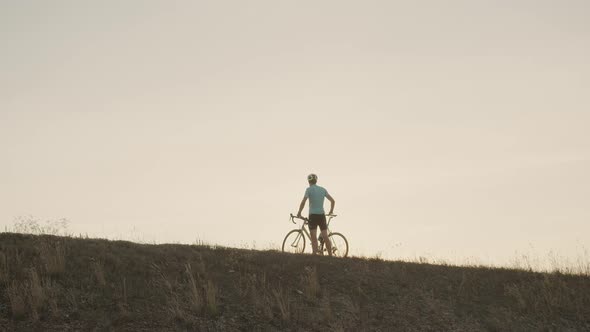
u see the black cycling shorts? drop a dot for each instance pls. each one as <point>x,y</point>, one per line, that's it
<point>316,220</point>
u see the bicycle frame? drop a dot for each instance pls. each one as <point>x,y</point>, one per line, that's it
<point>294,237</point>
<point>306,220</point>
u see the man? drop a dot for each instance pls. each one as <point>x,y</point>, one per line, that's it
<point>317,216</point>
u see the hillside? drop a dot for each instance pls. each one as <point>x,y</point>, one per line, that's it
<point>62,283</point>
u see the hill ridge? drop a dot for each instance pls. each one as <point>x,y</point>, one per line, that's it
<point>64,283</point>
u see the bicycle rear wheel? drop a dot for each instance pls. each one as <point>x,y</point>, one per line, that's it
<point>294,242</point>
<point>339,245</point>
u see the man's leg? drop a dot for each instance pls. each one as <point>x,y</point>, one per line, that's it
<point>314,240</point>
<point>327,242</point>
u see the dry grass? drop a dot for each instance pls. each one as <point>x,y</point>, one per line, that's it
<point>254,289</point>
<point>211,298</point>
<point>186,299</point>
<point>36,293</point>
<point>326,307</point>
<point>199,288</point>
<point>4,273</point>
<point>33,225</point>
<point>282,302</point>
<point>124,304</point>
<point>17,299</point>
<point>53,256</point>
<point>124,291</point>
<point>71,298</point>
<point>200,266</point>
<point>310,283</point>
<point>98,273</point>
<point>194,293</point>
<point>28,297</point>
<point>51,293</point>
<point>173,301</point>
<point>514,292</point>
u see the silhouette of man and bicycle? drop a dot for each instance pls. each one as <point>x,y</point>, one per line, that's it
<point>334,243</point>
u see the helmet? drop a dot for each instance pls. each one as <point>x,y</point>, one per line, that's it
<point>312,177</point>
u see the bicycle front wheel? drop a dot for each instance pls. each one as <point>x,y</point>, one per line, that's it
<point>294,242</point>
<point>339,245</point>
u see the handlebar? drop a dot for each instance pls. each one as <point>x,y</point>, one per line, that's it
<point>296,217</point>
<point>307,220</point>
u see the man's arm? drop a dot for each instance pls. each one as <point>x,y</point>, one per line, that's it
<point>332,203</point>
<point>301,206</point>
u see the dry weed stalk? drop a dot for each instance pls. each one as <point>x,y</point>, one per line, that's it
<point>98,271</point>
<point>51,291</point>
<point>125,291</point>
<point>326,306</point>
<point>3,268</point>
<point>72,301</point>
<point>175,307</point>
<point>282,302</point>
<point>194,295</point>
<point>123,305</point>
<point>311,284</point>
<point>211,297</point>
<point>31,292</point>
<point>172,298</point>
<point>257,289</point>
<point>201,269</point>
<point>33,225</point>
<point>36,293</point>
<point>514,292</point>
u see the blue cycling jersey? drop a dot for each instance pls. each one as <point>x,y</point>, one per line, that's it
<point>316,195</point>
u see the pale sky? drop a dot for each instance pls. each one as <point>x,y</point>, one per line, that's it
<point>452,129</point>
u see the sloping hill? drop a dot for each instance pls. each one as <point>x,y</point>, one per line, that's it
<point>61,283</point>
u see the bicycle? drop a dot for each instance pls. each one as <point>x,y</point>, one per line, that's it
<point>294,241</point>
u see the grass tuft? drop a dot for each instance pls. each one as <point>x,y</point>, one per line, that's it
<point>194,293</point>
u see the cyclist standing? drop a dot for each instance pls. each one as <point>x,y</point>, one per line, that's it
<point>317,216</point>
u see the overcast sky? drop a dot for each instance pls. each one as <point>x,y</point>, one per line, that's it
<point>451,129</point>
